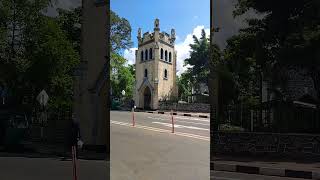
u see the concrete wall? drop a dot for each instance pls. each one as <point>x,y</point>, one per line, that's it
<point>269,144</point>
<point>188,107</point>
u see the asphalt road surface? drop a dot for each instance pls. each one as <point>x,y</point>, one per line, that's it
<point>150,151</point>
<point>218,175</point>
<point>27,168</point>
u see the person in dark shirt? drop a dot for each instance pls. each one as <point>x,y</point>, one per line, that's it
<point>74,135</point>
<point>132,103</point>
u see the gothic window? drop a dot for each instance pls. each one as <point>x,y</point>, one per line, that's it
<point>141,55</point>
<point>161,54</point>
<point>146,73</point>
<point>146,54</point>
<point>150,53</point>
<point>166,74</point>
<point>170,56</point>
<point>166,55</point>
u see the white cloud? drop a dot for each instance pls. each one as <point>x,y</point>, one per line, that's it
<point>183,49</point>
<point>130,55</point>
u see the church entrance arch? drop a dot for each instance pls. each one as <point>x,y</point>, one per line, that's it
<point>147,98</point>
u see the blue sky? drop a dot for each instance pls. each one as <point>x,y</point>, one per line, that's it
<point>188,17</point>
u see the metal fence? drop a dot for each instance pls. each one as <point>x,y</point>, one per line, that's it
<point>54,128</point>
<point>273,117</point>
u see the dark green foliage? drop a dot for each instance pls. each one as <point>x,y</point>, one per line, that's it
<point>35,53</point>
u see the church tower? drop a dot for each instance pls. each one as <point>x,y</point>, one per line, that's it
<point>155,67</point>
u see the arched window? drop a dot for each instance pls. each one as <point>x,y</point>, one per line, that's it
<point>161,54</point>
<point>170,56</point>
<point>166,55</point>
<point>165,74</point>
<point>146,73</point>
<point>141,55</point>
<point>146,54</point>
<point>150,53</point>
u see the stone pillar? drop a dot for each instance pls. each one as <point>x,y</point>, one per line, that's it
<point>175,85</point>
<point>156,77</point>
<point>90,101</point>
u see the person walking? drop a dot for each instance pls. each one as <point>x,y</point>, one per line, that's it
<point>74,139</point>
<point>75,133</point>
<point>132,104</point>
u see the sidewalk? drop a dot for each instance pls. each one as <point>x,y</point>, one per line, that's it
<point>38,149</point>
<point>308,169</point>
<point>179,113</point>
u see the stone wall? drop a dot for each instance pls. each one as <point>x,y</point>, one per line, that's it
<point>188,107</point>
<point>273,144</point>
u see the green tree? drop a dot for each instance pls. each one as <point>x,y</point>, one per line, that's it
<point>70,22</point>
<point>184,86</point>
<point>288,34</point>
<point>199,59</point>
<point>53,61</point>
<point>36,53</point>
<point>240,57</point>
<point>122,76</point>
<point>120,33</point>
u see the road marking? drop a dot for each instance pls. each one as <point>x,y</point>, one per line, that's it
<point>162,130</point>
<point>181,126</point>
<point>223,178</point>
<point>160,119</point>
<point>192,119</point>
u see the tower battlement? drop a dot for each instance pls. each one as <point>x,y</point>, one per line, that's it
<point>156,36</point>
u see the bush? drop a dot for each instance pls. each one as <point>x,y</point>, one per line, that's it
<point>228,127</point>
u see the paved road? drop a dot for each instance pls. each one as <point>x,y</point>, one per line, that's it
<point>218,175</point>
<point>149,151</point>
<point>182,124</point>
<point>23,168</point>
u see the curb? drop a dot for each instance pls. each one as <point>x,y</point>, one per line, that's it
<point>175,114</point>
<point>264,171</point>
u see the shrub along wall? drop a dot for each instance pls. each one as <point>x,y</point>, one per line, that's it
<point>188,107</point>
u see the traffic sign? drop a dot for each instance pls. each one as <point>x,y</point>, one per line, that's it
<point>43,98</point>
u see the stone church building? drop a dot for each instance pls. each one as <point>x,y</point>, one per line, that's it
<point>155,68</point>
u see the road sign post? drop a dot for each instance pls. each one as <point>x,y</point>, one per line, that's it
<point>43,100</point>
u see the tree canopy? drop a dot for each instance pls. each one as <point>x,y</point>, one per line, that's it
<point>288,34</point>
<point>35,53</point>
<point>122,75</point>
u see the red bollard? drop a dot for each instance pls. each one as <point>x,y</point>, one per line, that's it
<point>133,122</point>
<point>74,162</point>
<point>172,121</point>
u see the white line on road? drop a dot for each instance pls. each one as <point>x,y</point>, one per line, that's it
<point>181,126</point>
<point>193,119</point>
<point>161,119</point>
<point>223,178</point>
<point>162,130</point>
<point>157,118</point>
